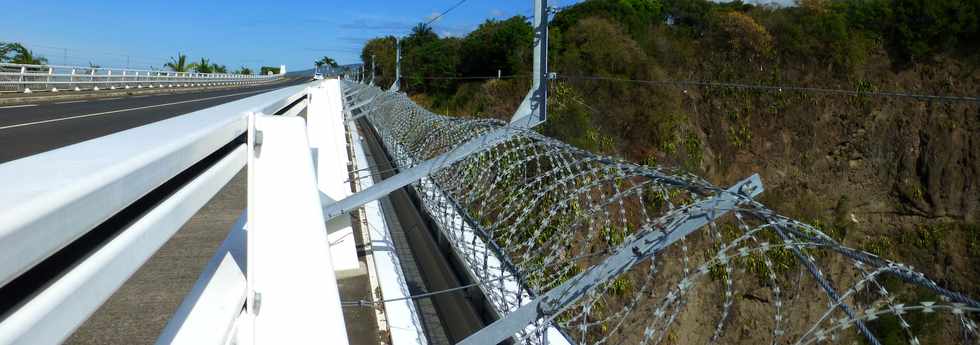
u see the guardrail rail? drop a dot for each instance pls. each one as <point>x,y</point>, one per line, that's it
<point>55,78</point>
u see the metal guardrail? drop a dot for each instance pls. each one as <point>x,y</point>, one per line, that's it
<point>54,78</point>
<point>77,222</point>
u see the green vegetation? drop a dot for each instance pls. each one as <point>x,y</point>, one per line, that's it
<point>692,39</point>
<point>18,53</point>
<point>178,63</point>
<point>325,61</point>
<point>267,70</point>
<point>877,151</point>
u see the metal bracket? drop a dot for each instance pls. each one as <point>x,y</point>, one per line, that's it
<point>410,175</point>
<point>636,249</point>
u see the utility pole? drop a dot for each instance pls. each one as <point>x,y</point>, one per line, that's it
<point>372,69</point>
<point>534,109</point>
<point>398,66</point>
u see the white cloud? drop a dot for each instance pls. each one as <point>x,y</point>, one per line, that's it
<point>496,13</point>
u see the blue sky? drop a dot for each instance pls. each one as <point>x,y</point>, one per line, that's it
<point>233,33</point>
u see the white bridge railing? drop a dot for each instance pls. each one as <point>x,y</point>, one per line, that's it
<point>31,78</point>
<point>77,222</point>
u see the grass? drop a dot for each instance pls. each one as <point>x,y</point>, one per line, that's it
<point>881,247</point>
<point>694,151</point>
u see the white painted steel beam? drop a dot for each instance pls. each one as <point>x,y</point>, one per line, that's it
<point>209,311</point>
<point>54,313</point>
<point>51,199</point>
<point>327,134</point>
<point>293,296</point>
<point>410,175</point>
<point>533,110</point>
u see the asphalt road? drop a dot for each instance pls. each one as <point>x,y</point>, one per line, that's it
<point>34,128</point>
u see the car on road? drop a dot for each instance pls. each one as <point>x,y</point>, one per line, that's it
<point>317,76</point>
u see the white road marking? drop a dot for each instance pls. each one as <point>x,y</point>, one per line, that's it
<point>70,102</point>
<point>125,110</point>
<point>18,106</point>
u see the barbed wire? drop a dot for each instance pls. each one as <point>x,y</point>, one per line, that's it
<point>546,201</point>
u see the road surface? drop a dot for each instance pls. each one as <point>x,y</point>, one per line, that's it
<point>30,129</point>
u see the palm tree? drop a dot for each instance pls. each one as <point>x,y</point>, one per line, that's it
<point>244,71</point>
<point>22,55</point>
<point>203,66</point>
<point>318,63</point>
<point>329,62</point>
<point>4,50</point>
<point>178,64</point>
<point>422,29</point>
<point>216,68</point>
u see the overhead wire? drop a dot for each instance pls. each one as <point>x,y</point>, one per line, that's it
<point>780,88</point>
<point>445,12</point>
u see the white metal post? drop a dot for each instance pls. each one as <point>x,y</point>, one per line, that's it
<point>23,71</point>
<point>534,109</point>
<point>372,70</point>
<point>396,86</point>
<point>91,79</point>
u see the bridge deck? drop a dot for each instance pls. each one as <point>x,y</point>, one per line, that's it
<point>137,312</point>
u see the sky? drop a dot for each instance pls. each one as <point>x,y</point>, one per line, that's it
<point>146,33</point>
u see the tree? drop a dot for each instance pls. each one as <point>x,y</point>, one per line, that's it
<point>383,49</point>
<point>244,71</point>
<point>497,45</point>
<point>318,63</point>
<point>179,63</point>
<point>436,58</point>
<point>21,55</point>
<point>326,60</point>
<point>923,28</point>
<point>264,70</point>
<point>744,35</point>
<point>4,51</point>
<point>203,66</point>
<point>216,68</point>
<point>634,15</point>
<point>421,34</point>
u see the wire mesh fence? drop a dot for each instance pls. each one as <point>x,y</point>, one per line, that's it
<point>606,250</point>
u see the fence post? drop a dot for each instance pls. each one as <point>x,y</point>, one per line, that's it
<point>91,79</point>
<point>20,80</point>
<point>71,80</point>
<point>534,109</point>
<point>50,73</point>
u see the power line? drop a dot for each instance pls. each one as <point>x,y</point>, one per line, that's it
<point>780,88</point>
<point>478,77</point>
<point>445,12</point>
